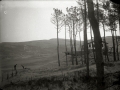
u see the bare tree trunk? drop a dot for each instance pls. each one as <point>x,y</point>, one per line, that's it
<point>98,46</point>
<point>83,36</point>
<point>119,25</point>
<point>113,40</point>
<point>86,42</point>
<point>66,45</point>
<point>113,37</point>
<point>80,48</point>
<point>106,48</point>
<point>58,46</point>
<point>92,44</point>
<point>119,19</point>
<point>75,51</point>
<point>117,46</point>
<point>71,46</point>
<point>74,38</point>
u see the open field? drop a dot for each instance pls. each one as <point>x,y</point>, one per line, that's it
<point>59,78</point>
<point>39,59</point>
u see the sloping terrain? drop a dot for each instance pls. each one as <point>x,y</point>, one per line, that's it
<point>39,59</point>
<point>39,51</point>
<point>32,52</point>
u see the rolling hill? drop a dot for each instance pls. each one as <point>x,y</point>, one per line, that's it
<point>35,52</point>
<point>31,52</point>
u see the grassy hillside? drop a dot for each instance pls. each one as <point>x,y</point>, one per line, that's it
<point>32,52</point>
<point>35,52</point>
<point>40,60</point>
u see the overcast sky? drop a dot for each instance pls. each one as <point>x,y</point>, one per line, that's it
<point>30,20</point>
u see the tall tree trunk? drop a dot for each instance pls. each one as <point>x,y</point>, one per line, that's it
<point>113,41</point>
<point>86,41</point>
<point>117,46</point>
<point>65,44</point>
<point>80,47</point>
<point>72,50</point>
<point>58,46</point>
<point>84,35</point>
<point>119,27</point>
<point>76,51</point>
<point>119,18</point>
<point>98,46</point>
<point>71,46</point>
<point>112,26</point>
<point>74,39</point>
<point>106,48</point>
<point>93,49</point>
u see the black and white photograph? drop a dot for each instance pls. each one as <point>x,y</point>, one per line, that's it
<point>59,45</point>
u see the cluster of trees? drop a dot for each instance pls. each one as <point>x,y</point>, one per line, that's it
<point>93,15</point>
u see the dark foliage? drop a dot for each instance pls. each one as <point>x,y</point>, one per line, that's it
<point>115,1</point>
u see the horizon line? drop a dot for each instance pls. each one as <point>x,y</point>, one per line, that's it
<point>37,40</point>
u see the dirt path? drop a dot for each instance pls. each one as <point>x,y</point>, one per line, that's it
<point>60,72</point>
